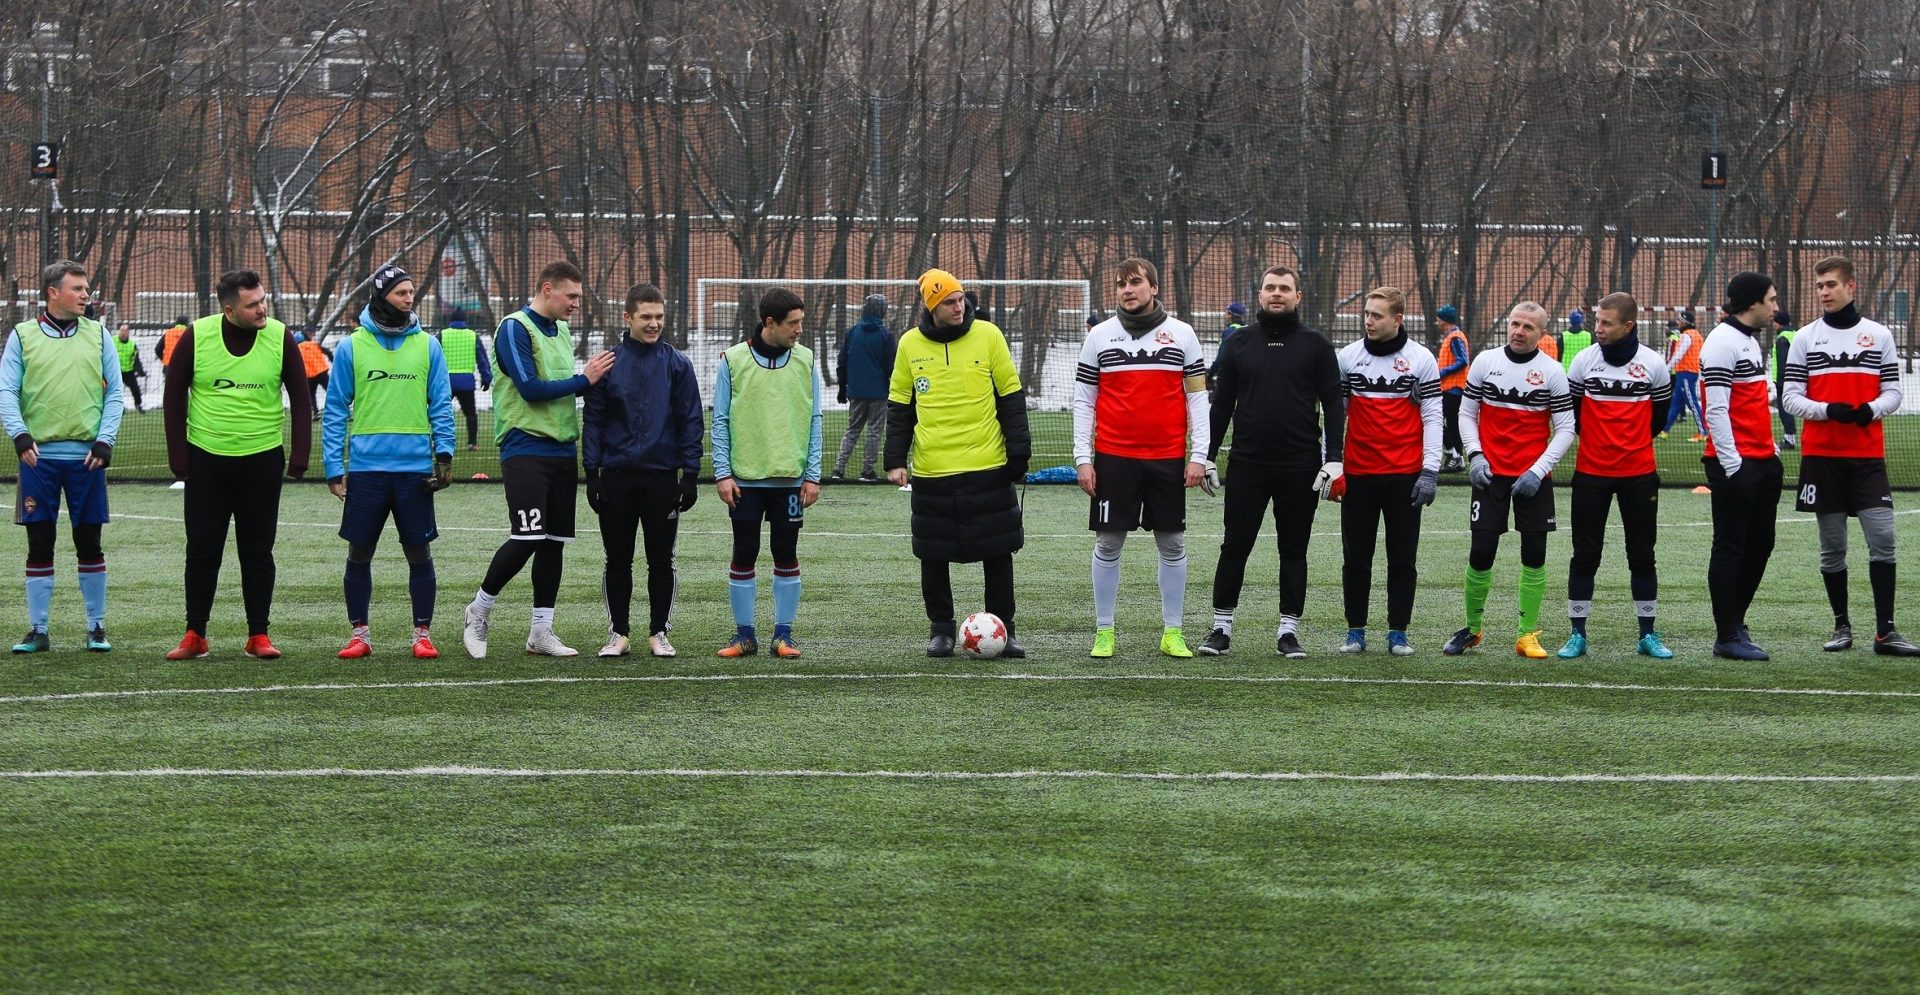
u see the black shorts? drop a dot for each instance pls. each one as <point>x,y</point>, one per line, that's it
<point>778,505</point>
<point>1488,510</point>
<point>540,497</point>
<point>1138,494</point>
<point>1834,485</point>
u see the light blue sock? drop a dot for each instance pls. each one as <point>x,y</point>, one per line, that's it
<point>39,595</point>
<point>786,595</point>
<point>740,593</point>
<point>93,590</point>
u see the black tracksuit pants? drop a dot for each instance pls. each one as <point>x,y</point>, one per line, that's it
<point>1744,508</point>
<point>1250,489</point>
<point>464,398</point>
<point>1370,501</point>
<point>244,491</point>
<point>632,501</point>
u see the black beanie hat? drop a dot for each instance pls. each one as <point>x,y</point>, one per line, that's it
<point>386,278</point>
<point>1747,289</point>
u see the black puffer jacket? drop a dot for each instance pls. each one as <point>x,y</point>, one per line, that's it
<point>966,517</point>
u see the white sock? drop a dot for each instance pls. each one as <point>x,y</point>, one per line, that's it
<point>1289,625</point>
<point>1223,621</point>
<point>1172,577</point>
<point>483,602</point>
<point>1106,576</point>
<point>543,618</point>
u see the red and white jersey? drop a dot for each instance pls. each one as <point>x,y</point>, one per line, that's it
<point>1616,410</point>
<point>1828,365</point>
<point>1131,395</point>
<point>1393,409</point>
<point>1734,395</point>
<point>1516,412</point>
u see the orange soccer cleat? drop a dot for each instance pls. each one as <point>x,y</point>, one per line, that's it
<point>260,647</point>
<point>192,646</point>
<point>423,648</point>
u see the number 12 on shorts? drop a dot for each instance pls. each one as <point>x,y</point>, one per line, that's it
<point>529,519</point>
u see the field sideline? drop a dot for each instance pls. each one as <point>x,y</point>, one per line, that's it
<point>865,817</point>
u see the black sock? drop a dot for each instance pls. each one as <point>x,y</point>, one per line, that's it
<point>1881,574</point>
<point>1837,595</point>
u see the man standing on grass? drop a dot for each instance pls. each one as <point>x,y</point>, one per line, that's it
<point>388,445</point>
<point>969,441</point>
<point>1843,378</point>
<point>1742,466</point>
<point>60,403</point>
<point>1517,421</point>
<point>1783,333</point>
<point>866,363</point>
<point>1140,437</point>
<point>1455,354</point>
<point>1392,463</point>
<point>1275,382</point>
<point>318,363</point>
<point>132,371</point>
<point>225,422</point>
<point>1621,391</point>
<point>1683,360</point>
<point>640,443</point>
<point>766,462</point>
<point>465,360</point>
<point>535,424</point>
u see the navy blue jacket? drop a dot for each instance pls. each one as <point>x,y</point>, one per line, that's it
<point>866,359</point>
<point>645,413</point>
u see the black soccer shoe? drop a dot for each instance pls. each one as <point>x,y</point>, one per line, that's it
<point>1288,645</point>
<point>1013,650</point>
<point>35,641</point>
<point>1842,639</point>
<point>940,639</point>
<point>1893,644</point>
<point>1217,643</point>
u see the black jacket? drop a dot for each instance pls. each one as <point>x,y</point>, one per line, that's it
<point>645,413</point>
<point>1276,381</point>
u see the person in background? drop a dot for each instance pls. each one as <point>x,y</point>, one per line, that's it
<point>1576,339</point>
<point>318,363</point>
<point>866,362</point>
<point>466,357</point>
<point>1455,355</point>
<point>1783,332</point>
<point>1236,320</point>
<point>132,371</point>
<point>1683,359</point>
<point>163,349</point>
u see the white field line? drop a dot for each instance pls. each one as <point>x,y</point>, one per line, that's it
<point>962,775</point>
<point>914,676</point>
<point>501,530</point>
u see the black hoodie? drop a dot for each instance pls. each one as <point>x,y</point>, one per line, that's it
<point>1275,381</point>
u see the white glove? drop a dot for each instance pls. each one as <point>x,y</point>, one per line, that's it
<point>1329,472</point>
<point>1211,482</point>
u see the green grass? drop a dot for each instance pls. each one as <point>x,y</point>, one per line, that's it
<point>1047,883</point>
<point>142,450</point>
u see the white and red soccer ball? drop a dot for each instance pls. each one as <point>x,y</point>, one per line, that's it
<point>983,635</point>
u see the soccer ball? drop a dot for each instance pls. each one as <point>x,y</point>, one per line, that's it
<point>983,635</point>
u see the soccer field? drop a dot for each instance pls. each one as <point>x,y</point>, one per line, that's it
<point>867,818</point>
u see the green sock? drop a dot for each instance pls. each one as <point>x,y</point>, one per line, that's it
<point>1479,582</point>
<point>1533,585</point>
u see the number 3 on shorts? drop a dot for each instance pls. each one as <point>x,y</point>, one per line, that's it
<point>1473,512</point>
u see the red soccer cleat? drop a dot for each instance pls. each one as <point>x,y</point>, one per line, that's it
<point>356,648</point>
<point>192,646</point>
<point>262,648</point>
<point>423,648</point>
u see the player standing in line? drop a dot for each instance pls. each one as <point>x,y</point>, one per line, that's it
<point>60,403</point>
<point>1843,378</point>
<point>970,444</point>
<point>1683,364</point>
<point>766,462</point>
<point>387,441</point>
<point>535,425</point>
<point>1276,380</point>
<point>1517,421</point>
<point>1621,392</point>
<point>224,415</point>
<point>1139,435</point>
<point>640,445</point>
<point>1392,463</point>
<point>1455,354</point>
<point>465,360</point>
<point>132,371</point>
<point>1743,469</point>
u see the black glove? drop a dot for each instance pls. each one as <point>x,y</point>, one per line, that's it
<point>593,490</point>
<point>1863,415</point>
<point>1016,470</point>
<point>689,492</point>
<point>22,443</point>
<point>102,453</point>
<point>1842,413</point>
<point>442,477</point>
<point>843,393</point>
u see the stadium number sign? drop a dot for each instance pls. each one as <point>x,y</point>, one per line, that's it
<point>44,163</point>
<point>1713,171</point>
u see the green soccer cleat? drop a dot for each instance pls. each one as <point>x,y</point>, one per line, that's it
<point>1174,644</point>
<point>97,640</point>
<point>1575,647</point>
<point>1102,644</point>
<point>35,641</point>
<point>1650,645</point>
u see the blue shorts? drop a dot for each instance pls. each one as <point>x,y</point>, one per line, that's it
<point>38,499</point>
<point>779,505</point>
<point>372,495</point>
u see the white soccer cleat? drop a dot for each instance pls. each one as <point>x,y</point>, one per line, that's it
<point>542,642</point>
<point>657,645</point>
<point>617,645</point>
<point>474,633</point>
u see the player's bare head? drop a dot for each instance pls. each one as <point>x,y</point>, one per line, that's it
<point>782,313</point>
<point>1136,282</point>
<point>1279,291</point>
<point>1833,283</point>
<point>126,331</point>
<point>1614,317</point>
<point>1525,323</point>
<point>243,298</point>
<point>646,312</point>
<point>65,285</point>
<point>1384,310</point>
<point>558,290</point>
